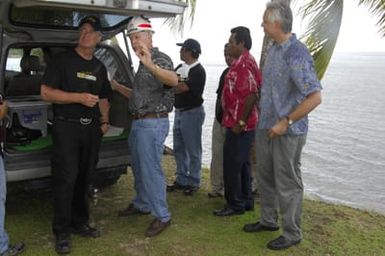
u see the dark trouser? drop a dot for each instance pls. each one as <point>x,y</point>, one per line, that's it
<point>236,170</point>
<point>75,155</point>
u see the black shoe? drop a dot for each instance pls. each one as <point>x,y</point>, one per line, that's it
<point>227,212</point>
<point>249,208</point>
<point>281,243</point>
<point>14,249</point>
<point>213,194</point>
<point>86,230</point>
<point>190,190</point>
<point>255,193</point>
<point>258,227</point>
<point>175,186</point>
<point>62,244</point>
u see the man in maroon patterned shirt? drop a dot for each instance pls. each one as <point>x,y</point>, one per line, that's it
<point>242,85</point>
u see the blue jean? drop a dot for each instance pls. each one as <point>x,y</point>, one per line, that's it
<point>4,240</point>
<point>188,145</point>
<point>146,141</point>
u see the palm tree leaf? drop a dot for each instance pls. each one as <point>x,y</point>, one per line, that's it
<point>178,23</point>
<point>322,30</point>
<point>377,8</point>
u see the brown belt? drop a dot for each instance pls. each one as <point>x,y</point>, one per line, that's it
<point>150,115</point>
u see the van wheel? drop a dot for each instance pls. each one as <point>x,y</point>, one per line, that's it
<point>107,177</point>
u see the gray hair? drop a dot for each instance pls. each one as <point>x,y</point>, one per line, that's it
<point>281,12</point>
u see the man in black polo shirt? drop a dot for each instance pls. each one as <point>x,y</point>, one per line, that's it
<point>77,85</point>
<point>189,117</point>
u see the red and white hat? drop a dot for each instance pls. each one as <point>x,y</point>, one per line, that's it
<point>138,24</point>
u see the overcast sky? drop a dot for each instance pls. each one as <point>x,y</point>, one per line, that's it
<point>215,18</point>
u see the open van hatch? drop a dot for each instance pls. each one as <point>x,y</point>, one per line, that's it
<point>32,32</point>
<point>129,7</point>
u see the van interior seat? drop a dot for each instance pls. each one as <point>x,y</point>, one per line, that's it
<point>28,81</point>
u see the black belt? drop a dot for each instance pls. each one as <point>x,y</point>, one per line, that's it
<point>80,120</point>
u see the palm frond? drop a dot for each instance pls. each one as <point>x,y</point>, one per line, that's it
<point>322,31</point>
<point>377,8</point>
<point>178,23</point>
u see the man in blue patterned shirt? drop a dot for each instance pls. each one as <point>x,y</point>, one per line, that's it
<point>290,91</point>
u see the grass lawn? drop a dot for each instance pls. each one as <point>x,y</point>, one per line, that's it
<point>328,229</point>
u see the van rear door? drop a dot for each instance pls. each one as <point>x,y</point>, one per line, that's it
<point>151,8</point>
<point>27,16</point>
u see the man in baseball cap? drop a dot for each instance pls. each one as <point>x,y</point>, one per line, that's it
<point>76,83</point>
<point>93,21</point>
<point>189,118</point>
<point>192,45</point>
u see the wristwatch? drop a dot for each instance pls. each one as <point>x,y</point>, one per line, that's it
<point>289,121</point>
<point>241,123</point>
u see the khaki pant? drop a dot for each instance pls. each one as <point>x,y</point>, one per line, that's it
<point>280,184</point>
<point>216,167</point>
<point>253,169</point>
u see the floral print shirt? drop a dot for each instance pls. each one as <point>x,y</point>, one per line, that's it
<point>242,79</point>
<point>149,94</point>
<point>288,77</point>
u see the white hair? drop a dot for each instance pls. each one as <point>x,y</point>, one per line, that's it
<point>279,11</point>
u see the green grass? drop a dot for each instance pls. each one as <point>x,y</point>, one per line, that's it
<point>328,229</point>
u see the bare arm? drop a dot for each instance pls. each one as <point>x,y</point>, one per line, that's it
<point>304,108</point>
<point>182,87</point>
<point>3,110</point>
<point>167,77</point>
<point>61,97</point>
<point>123,90</point>
<point>249,104</point>
<point>104,107</point>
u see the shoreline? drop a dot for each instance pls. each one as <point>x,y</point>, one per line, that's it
<point>312,196</point>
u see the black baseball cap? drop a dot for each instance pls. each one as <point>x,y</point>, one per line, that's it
<point>191,44</point>
<point>93,21</point>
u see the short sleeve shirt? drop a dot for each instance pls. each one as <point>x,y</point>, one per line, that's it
<point>69,72</point>
<point>149,94</point>
<point>288,77</point>
<point>242,79</point>
<point>196,80</point>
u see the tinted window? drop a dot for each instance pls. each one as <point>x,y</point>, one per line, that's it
<point>115,71</point>
<point>54,18</point>
<point>13,60</point>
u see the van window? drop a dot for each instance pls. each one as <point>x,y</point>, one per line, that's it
<point>15,55</point>
<point>24,71</point>
<point>59,18</point>
<point>13,60</point>
<point>114,68</point>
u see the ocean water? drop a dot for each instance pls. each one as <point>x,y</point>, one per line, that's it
<point>344,157</point>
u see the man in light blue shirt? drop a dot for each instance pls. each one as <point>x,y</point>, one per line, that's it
<point>290,91</point>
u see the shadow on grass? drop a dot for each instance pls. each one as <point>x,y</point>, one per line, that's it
<point>328,229</point>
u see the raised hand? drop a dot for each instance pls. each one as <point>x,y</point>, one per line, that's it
<point>144,54</point>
